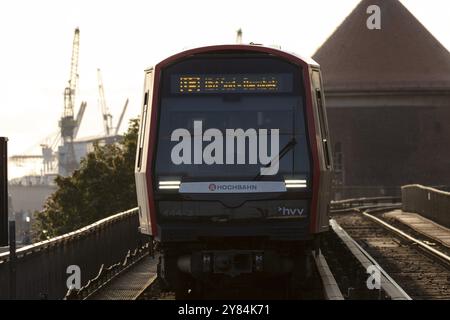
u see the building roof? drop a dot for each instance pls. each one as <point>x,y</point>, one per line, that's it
<point>402,54</point>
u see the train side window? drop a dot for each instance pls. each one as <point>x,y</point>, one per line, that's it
<point>143,128</point>
<point>322,118</point>
<point>323,128</point>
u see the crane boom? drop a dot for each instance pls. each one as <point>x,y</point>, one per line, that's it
<point>107,117</point>
<point>79,117</point>
<point>70,91</point>
<point>66,153</point>
<point>121,118</point>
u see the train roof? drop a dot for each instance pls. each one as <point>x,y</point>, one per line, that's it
<point>232,47</point>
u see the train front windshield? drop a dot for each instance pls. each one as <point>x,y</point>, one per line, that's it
<point>228,118</point>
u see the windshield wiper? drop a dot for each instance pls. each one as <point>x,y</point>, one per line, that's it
<point>280,155</point>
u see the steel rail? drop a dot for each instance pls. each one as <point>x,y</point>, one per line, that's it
<point>330,286</point>
<point>389,285</point>
<point>388,226</point>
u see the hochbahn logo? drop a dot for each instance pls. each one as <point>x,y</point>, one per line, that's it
<point>236,149</point>
<point>232,187</point>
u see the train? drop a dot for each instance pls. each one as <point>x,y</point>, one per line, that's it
<point>233,165</point>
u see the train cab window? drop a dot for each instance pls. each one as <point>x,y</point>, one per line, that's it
<point>262,94</point>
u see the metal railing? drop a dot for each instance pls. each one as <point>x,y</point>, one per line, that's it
<point>41,268</point>
<point>431,203</point>
<point>359,202</point>
<point>107,274</point>
<point>346,192</point>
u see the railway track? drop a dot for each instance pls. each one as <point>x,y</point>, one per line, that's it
<point>339,273</point>
<point>422,271</point>
<point>321,286</point>
<point>140,282</point>
<point>351,265</point>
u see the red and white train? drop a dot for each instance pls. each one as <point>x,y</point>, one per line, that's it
<point>233,165</point>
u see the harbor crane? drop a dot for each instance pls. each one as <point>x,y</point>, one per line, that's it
<point>68,124</point>
<point>107,116</point>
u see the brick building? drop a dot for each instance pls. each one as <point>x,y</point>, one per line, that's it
<point>388,100</point>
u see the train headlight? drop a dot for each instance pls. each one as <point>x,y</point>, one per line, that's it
<point>295,183</point>
<point>172,184</point>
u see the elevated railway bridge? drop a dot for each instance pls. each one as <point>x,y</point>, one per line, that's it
<point>109,259</point>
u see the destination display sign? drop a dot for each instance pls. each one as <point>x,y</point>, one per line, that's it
<point>231,83</point>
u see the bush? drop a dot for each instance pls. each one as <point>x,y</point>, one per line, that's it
<point>103,185</point>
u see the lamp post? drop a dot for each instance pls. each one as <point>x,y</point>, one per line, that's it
<point>3,192</point>
<point>4,226</point>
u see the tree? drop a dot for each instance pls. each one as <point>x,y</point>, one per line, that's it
<point>103,185</point>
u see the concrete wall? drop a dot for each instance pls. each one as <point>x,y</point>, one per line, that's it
<point>29,198</point>
<point>389,140</point>
<point>431,203</point>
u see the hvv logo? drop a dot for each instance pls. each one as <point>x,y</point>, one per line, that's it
<point>215,153</point>
<point>285,211</point>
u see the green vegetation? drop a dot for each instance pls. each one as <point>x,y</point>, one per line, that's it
<point>102,186</point>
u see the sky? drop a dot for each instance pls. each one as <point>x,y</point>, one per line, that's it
<point>123,37</point>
